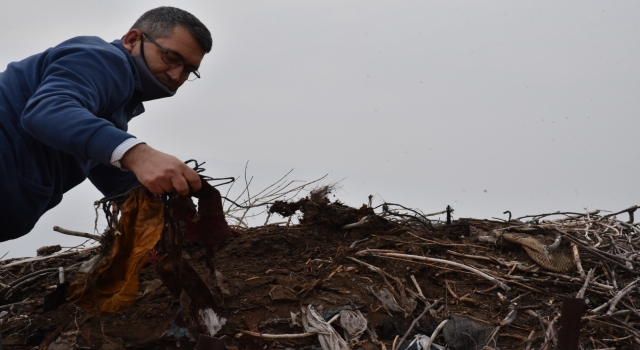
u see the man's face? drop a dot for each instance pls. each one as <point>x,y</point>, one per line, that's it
<point>180,42</point>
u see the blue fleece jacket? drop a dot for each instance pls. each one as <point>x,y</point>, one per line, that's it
<point>62,114</point>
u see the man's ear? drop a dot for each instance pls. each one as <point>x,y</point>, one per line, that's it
<point>131,40</point>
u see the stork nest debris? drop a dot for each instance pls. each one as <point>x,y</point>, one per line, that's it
<point>397,276</point>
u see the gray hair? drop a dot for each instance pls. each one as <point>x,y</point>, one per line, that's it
<point>159,23</point>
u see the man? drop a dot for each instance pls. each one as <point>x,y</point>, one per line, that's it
<point>64,115</point>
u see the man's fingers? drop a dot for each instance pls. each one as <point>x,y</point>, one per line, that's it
<point>160,172</point>
<point>193,179</point>
<point>155,189</point>
<point>180,185</point>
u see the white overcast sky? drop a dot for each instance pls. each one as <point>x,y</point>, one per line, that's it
<point>487,106</point>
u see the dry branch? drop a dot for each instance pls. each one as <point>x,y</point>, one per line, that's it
<point>435,334</point>
<point>376,252</point>
<point>582,291</point>
<point>281,336</point>
<point>415,322</point>
<point>76,233</point>
<point>52,256</point>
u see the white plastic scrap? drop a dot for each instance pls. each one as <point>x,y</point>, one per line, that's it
<point>295,319</point>
<point>313,322</point>
<point>421,341</point>
<point>385,296</point>
<point>354,325</point>
<point>213,322</point>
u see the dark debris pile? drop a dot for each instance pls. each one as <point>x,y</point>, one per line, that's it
<point>470,284</point>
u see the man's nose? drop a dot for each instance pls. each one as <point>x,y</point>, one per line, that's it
<point>175,72</point>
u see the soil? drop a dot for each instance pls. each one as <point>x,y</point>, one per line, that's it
<point>270,272</point>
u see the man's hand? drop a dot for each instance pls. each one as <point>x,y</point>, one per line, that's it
<point>160,172</point>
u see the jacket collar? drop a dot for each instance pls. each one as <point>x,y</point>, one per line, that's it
<point>134,70</point>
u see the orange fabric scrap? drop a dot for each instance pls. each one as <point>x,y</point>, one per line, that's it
<point>112,285</point>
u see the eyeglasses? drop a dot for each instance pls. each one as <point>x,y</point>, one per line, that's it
<point>174,60</point>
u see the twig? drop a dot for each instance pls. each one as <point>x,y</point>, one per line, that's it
<point>360,223</point>
<point>59,255</point>
<point>415,322</point>
<point>273,192</point>
<point>601,254</point>
<point>400,298</point>
<point>438,213</point>
<point>582,291</point>
<point>630,211</point>
<point>281,336</point>
<point>77,233</point>
<point>15,287</point>
<point>376,252</point>
<point>511,316</point>
<point>508,320</point>
<point>413,278</point>
<point>36,273</point>
<point>8,306</point>
<point>355,243</point>
<point>576,258</point>
<point>620,295</point>
<point>549,335</point>
<point>528,340</point>
<point>435,334</point>
<point>616,299</point>
<point>395,340</point>
<point>53,336</point>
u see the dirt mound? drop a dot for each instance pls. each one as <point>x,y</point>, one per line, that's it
<point>389,268</point>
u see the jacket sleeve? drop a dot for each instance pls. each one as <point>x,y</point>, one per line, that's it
<point>72,108</point>
<point>110,180</point>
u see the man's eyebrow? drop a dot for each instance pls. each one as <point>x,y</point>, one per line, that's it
<point>182,58</point>
<point>175,53</point>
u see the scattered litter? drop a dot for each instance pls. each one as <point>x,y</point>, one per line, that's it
<point>385,296</point>
<point>150,287</point>
<point>178,332</point>
<point>263,276</point>
<point>296,319</point>
<point>213,322</point>
<point>329,338</point>
<point>463,333</point>
<point>420,343</point>
<point>354,325</point>
<point>66,341</point>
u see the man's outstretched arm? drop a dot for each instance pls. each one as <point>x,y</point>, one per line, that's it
<point>160,172</point>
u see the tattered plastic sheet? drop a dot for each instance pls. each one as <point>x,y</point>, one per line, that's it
<point>420,342</point>
<point>313,322</point>
<point>354,325</point>
<point>112,285</point>
<point>463,333</point>
<point>385,296</point>
<point>213,322</point>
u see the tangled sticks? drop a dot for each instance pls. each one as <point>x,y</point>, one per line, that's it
<point>144,220</point>
<point>206,226</point>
